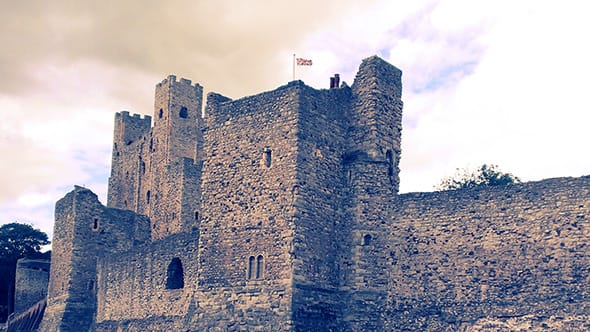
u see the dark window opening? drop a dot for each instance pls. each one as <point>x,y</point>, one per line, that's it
<point>259,265</point>
<point>183,113</point>
<point>250,273</point>
<point>161,113</point>
<point>143,167</point>
<point>267,156</point>
<point>175,275</point>
<point>147,197</point>
<point>389,156</point>
<point>95,224</point>
<point>367,239</point>
<point>197,215</point>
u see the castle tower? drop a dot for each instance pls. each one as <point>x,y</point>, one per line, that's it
<point>155,171</point>
<point>171,195</point>
<point>71,302</point>
<point>371,166</point>
<point>84,231</point>
<point>127,166</point>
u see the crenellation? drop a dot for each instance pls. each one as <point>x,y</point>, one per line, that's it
<point>280,211</point>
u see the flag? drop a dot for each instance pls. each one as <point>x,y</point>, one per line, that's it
<point>303,62</point>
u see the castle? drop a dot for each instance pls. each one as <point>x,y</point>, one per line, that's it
<point>280,212</point>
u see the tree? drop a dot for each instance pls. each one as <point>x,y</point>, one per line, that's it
<point>21,240</point>
<point>16,241</point>
<point>485,175</point>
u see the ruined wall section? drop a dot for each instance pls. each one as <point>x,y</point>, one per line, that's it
<point>372,174</point>
<point>318,199</point>
<point>140,277</point>
<point>463,259</point>
<point>84,230</point>
<point>31,281</point>
<point>128,166</point>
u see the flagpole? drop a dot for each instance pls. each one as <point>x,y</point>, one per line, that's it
<point>293,66</point>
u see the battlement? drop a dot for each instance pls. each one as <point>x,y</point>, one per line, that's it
<point>125,116</point>
<point>171,80</point>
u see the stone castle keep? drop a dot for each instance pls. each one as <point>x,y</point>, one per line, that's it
<point>281,212</point>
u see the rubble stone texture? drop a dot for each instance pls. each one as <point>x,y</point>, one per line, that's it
<point>281,212</point>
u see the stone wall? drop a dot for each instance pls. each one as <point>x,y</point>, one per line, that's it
<point>466,258</point>
<point>318,197</point>
<point>32,279</point>
<point>84,231</point>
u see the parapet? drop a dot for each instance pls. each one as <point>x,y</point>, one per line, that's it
<point>124,115</point>
<point>171,79</point>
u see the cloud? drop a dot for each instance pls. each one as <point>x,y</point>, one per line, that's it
<point>498,82</point>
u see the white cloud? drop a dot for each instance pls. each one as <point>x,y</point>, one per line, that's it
<point>484,82</point>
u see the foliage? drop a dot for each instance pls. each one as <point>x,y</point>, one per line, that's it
<point>485,175</point>
<point>21,240</point>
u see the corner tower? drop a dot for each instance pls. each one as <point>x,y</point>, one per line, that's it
<point>171,195</point>
<point>177,118</point>
<point>372,175</point>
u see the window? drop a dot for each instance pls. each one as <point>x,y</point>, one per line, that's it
<point>175,274</point>
<point>259,265</point>
<point>147,197</point>
<point>389,156</point>
<point>95,224</point>
<point>197,215</point>
<point>183,113</point>
<point>367,239</point>
<point>255,267</point>
<point>267,155</point>
<point>250,267</point>
<point>161,113</point>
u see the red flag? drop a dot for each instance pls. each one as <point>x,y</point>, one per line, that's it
<point>303,62</point>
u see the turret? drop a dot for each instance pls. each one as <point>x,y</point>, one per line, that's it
<point>372,175</point>
<point>177,118</point>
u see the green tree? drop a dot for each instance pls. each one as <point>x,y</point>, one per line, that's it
<point>485,175</point>
<point>21,240</point>
<point>16,241</point>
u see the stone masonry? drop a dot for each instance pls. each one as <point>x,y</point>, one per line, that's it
<point>280,212</point>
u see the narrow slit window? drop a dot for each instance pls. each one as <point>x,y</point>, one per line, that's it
<point>95,224</point>
<point>389,156</point>
<point>267,155</point>
<point>147,197</point>
<point>160,113</point>
<point>197,215</point>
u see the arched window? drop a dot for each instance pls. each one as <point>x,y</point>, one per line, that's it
<point>250,273</point>
<point>259,266</point>
<point>175,275</point>
<point>367,239</point>
<point>183,113</point>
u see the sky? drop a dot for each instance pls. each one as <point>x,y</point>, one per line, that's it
<point>496,82</point>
